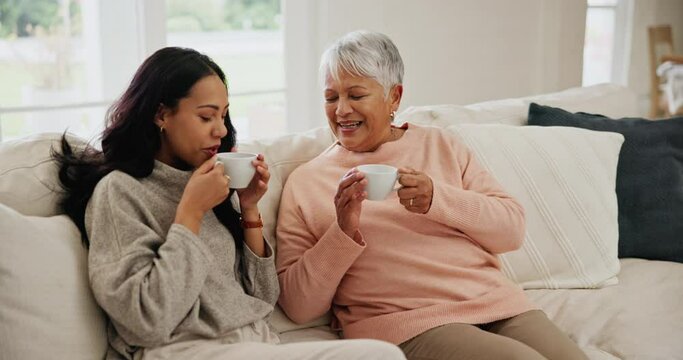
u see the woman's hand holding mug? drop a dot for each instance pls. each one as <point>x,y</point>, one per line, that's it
<point>348,202</point>
<point>417,190</point>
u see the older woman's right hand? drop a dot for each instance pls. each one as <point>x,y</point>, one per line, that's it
<point>348,201</point>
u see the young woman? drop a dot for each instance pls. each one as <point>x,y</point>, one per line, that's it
<point>178,270</point>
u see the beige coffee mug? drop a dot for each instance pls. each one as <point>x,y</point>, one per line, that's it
<point>381,180</point>
<point>238,166</point>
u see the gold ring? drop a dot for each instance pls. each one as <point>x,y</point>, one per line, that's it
<point>411,202</point>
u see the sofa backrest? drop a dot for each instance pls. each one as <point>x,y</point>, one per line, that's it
<point>28,177</point>
<point>611,100</point>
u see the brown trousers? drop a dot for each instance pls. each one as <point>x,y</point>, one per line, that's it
<point>530,335</point>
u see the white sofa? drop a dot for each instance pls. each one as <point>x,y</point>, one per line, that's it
<point>613,308</point>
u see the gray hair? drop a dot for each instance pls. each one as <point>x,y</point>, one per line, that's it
<point>366,54</point>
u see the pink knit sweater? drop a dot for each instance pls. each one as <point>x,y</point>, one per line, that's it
<point>412,272</point>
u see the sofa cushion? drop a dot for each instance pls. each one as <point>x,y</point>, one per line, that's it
<point>283,154</point>
<point>611,99</point>
<point>638,319</point>
<point>649,179</point>
<point>641,318</point>
<point>28,175</point>
<point>565,180</point>
<point>46,308</point>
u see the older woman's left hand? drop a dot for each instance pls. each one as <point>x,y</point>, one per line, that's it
<point>416,191</point>
<point>250,196</point>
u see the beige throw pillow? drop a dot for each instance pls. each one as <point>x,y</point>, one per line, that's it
<point>46,308</point>
<point>565,178</point>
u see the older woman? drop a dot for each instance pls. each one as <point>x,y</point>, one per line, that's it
<point>418,269</point>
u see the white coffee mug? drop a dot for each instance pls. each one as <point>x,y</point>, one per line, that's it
<point>238,166</point>
<point>381,180</point>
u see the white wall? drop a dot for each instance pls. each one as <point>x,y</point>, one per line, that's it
<point>455,51</point>
<point>647,13</point>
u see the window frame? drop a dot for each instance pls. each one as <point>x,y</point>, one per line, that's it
<point>622,37</point>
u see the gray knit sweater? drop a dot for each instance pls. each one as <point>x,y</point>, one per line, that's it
<point>158,282</point>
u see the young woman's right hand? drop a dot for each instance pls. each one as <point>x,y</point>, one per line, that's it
<point>207,187</point>
<point>348,201</point>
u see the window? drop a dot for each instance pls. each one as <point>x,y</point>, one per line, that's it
<point>607,41</point>
<point>245,38</point>
<point>63,62</point>
<point>43,64</point>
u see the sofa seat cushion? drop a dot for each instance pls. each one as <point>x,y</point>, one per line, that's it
<point>649,179</point>
<point>316,333</point>
<point>640,318</point>
<point>46,308</point>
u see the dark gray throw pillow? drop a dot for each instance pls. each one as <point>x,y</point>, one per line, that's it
<point>649,179</point>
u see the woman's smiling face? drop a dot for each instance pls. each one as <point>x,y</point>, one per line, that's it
<point>358,112</point>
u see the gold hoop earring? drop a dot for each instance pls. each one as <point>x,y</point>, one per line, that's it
<point>161,129</point>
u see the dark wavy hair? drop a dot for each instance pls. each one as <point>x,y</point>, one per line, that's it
<point>131,139</point>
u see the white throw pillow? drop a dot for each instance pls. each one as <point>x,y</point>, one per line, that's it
<point>46,308</point>
<point>28,174</point>
<point>565,179</point>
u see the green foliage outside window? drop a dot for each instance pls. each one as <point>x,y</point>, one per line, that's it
<point>217,15</point>
<point>24,18</point>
